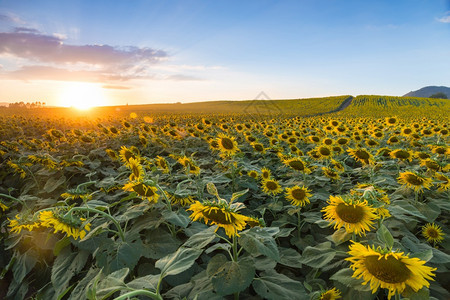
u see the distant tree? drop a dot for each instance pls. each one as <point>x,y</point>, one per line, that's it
<point>439,96</point>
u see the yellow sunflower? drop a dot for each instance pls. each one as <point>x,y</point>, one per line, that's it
<point>330,173</point>
<point>361,155</point>
<point>19,223</point>
<point>72,226</point>
<point>137,171</point>
<point>253,174</point>
<point>254,222</point>
<point>389,270</point>
<point>433,233</point>
<point>227,145</point>
<point>445,184</point>
<point>221,215</point>
<point>298,195</point>
<point>162,164</point>
<point>125,154</point>
<point>297,164</point>
<point>391,121</point>
<point>265,173</point>
<point>258,147</point>
<point>324,152</point>
<point>401,154</point>
<point>331,294</point>
<point>188,163</point>
<point>414,181</point>
<point>356,216</point>
<point>271,186</point>
<point>144,191</point>
<point>180,200</point>
<point>112,154</point>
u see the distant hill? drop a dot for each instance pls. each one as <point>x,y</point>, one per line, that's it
<point>427,91</point>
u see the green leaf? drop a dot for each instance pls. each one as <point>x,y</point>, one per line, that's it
<point>148,282</point>
<point>424,255</point>
<point>126,255</point>
<point>112,283</point>
<point>53,183</point>
<point>272,285</point>
<point>230,277</point>
<point>340,236</point>
<point>385,236</point>
<point>60,245</point>
<point>159,243</point>
<point>65,266</point>
<point>318,256</point>
<point>258,241</point>
<point>201,239</point>
<point>79,292</point>
<point>23,265</point>
<point>178,262</point>
<point>290,257</point>
<point>238,194</point>
<point>344,276</point>
<point>179,218</point>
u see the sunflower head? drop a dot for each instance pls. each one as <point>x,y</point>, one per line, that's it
<point>433,233</point>
<point>298,196</point>
<point>401,154</point>
<point>330,173</point>
<point>349,212</point>
<point>227,145</point>
<point>271,186</point>
<point>361,155</point>
<point>266,173</point>
<point>143,190</point>
<point>331,294</point>
<point>415,181</point>
<point>388,269</point>
<point>220,214</point>
<point>297,164</point>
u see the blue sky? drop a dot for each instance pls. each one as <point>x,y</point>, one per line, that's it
<point>167,51</point>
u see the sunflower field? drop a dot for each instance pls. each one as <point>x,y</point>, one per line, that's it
<point>143,204</point>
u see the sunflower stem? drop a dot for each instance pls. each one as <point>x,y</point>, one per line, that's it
<point>354,237</point>
<point>397,296</point>
<point>13,198</point>
<point>108,216</point>
<point>235,252</point>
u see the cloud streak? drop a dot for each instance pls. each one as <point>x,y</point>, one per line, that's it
<point>30,44</point>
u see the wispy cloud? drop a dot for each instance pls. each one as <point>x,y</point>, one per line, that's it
<point>29,44</point>
<point>11,18</point>
<point>36,72</point>
<point>34,55</point>
<point>445,19</point>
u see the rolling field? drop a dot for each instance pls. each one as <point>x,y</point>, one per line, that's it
<point>285,199</point>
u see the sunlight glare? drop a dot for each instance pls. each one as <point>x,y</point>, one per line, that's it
<point>82,95</point>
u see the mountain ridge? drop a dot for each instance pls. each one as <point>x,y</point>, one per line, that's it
<point>427,91</point>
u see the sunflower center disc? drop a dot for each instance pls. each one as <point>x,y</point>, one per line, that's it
<point>413,179</point>
<point>325,151</point>
<point>432,233</point>
<point>296,165</point>
<point>271,185</point>
<point>227,143</point>
<point>298,194</point>
<point>362,154</point>
<point>390,270</point>
<point>350,213</point>
<point>219,216</point>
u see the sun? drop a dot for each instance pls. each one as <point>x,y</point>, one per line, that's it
<point>82,95</point>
